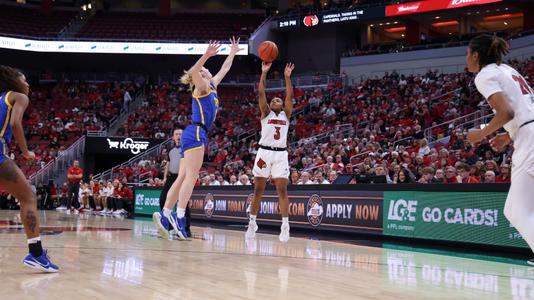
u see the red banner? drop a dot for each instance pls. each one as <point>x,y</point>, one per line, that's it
<point>431,5</point>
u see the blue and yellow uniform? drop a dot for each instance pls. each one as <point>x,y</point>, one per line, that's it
<point>5,128</point>
<point>195,136</point>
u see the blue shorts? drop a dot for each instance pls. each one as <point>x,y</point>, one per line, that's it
<point>3,152</point>
<point>194,137</point>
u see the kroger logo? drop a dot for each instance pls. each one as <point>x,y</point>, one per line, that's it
<point>402,210</point>
<point>128,144</point>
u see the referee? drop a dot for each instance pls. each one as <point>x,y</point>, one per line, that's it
<point>171,172</point>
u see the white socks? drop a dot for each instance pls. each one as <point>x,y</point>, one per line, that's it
<point>180,212</point>
<point>285,221</point>
<point>34,240</point>
<point>166,212</point>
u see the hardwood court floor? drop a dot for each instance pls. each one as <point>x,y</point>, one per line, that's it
<point>106,258</point>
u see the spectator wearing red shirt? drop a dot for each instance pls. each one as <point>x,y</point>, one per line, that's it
<point>505,174</point>
<point>450,175</point>
<point>463,174</point>
<point>74,176</point>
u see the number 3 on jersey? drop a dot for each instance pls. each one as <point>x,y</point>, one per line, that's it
<point>277,133</point>
<point>525,89</point>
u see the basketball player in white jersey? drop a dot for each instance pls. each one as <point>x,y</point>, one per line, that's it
<point>272,158</point>
<point>512,100</point>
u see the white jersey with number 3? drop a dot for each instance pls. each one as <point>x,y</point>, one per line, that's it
<point>495,78</point>
<point>274,130</point>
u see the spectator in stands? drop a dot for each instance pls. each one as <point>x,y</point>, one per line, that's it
<point>221,180</point>
<point>319,178</point>
<point>213,181</point>
<point>244,180</point>
<point>294,177</point>
<point>332,177</point>
<point>450,175</point>
<point>381,171</point>
<point>305,178</point>
<point>464,174</point>
<point>504,176</point>
<point>233,180</point>
<point>402,177</point>
<point>489,177</point>
<point>424,149</point>
<point>427,176</point>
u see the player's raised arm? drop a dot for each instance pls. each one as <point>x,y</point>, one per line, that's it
<point>262,98</point>
<point>288,105</point>
<point>234,48</point>
<point>198,82</point>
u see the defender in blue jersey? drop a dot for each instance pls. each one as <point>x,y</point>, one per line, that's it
<point>205,103</point>
<point>14,92</point>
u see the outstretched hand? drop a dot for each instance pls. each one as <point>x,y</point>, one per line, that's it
<point>289,69</point>
<point>213,48</point>
<point>234,45</point>
<point>266,66</point>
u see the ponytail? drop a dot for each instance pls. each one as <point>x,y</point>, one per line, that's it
<point>498,49</point>
<point>490,49</point>
<point>187,79</point>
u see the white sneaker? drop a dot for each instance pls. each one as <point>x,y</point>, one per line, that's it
<point>284,233</point>
<point>117,212</point>
<point>252,228</point>
<point>61,208</point>
<point>76,212</point>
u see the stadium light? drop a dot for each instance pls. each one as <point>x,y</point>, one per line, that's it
<point>503,16</point>
<point>395,29</point>
<point>89,6</point>
<point>84,7</point>
<point>443,24</point>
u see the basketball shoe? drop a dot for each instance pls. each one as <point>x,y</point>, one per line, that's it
<point>163,223</point>
<point>251,230</point>
<point>284,233</point>
<point>179,225</point>
<point>42,262</point>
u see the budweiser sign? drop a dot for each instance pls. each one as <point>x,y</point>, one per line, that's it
<point>432,5</point>
<point>408,8</point>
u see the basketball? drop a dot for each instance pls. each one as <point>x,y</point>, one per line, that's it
<point>268,51</point>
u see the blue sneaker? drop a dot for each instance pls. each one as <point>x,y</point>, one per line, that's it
<point>179,225</point>
<point>163,223</point>
<point>42,262</point>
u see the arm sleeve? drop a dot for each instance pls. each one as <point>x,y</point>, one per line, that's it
<point>487,83</point>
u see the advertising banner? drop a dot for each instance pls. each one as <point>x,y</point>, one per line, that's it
<point>431,5</point>
<point>342,209</point>
<point>119,145</point>
<point>473,217</point>
<point>349,210</point>
<point>146,201</point>
<point>111,47</point>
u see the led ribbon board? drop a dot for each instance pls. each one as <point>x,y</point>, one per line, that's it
<point>111,47</point>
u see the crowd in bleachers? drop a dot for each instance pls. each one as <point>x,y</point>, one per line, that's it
<point>59,114</point>
<point>386,118</point>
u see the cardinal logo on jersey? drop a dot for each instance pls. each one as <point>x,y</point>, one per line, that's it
<point>262,164</point>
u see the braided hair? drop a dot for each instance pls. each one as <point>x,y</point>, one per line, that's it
<point>490,48</point>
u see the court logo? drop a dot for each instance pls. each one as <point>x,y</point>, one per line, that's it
<point>402,210</point>
<point>315,210</point>
<point>310,21</point>
<point>208,205</point>
<point>249,203</point>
